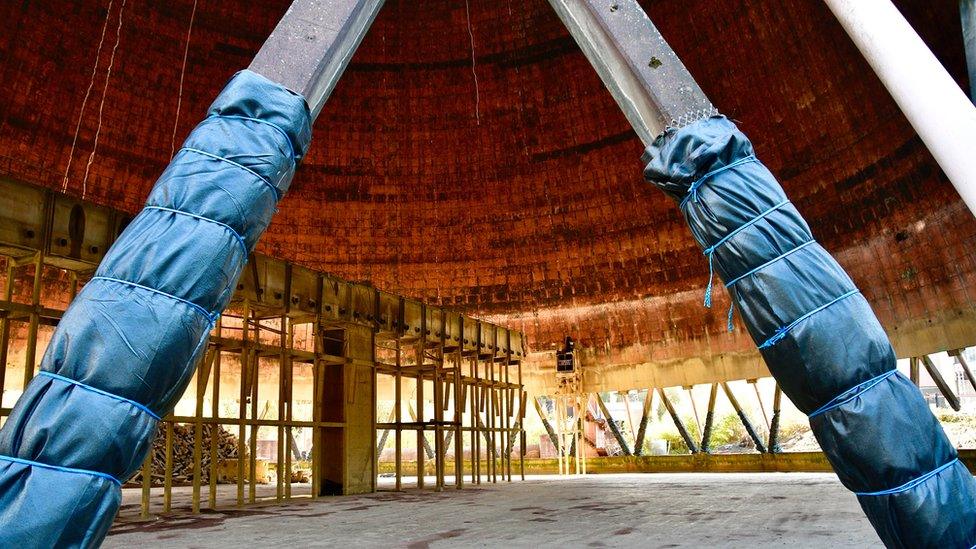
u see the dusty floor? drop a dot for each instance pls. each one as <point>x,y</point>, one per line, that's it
<point>660,510</point>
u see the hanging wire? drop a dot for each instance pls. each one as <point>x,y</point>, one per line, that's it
<point>179,99</point>
<point>84,102</point>
<point>101,107</point>
<point>474,72</point>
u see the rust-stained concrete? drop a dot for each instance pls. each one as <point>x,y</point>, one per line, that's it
<point>521,197</point>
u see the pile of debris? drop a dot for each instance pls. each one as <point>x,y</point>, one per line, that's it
<point>183,454</point>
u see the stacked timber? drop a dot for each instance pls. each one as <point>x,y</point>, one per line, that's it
<point>183,454</point>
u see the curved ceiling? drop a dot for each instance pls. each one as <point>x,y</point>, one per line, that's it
<point>470,156</point>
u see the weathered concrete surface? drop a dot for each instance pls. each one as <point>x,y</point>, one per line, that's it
<point>666,510</point>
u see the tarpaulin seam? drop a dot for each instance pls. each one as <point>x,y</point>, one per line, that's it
<point>851,394</point>
<point>693,189</point>
<point>241,166</point>
<point>30,463</point>
<point>101,392</point>
<point>770,262</point>
<point>781,332</point>
<point>910,484</point>
<point>237,236</point>
<point>201,310</point>
<point>710,251</point>
<point>283,133</point>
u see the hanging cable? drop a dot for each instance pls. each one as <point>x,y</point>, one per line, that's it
<point>179,98</point>
<point>101,106</point>
<point>91,84</point>
<point>474,72</point>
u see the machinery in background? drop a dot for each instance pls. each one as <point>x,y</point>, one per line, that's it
<point>570,410</point>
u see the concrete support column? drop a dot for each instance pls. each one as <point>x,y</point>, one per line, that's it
<point>932,101</point>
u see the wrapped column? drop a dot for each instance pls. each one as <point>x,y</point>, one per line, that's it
<point>128,344</point>
<point>818,336</point>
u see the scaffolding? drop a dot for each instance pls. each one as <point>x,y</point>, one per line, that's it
<point>290,372</point>
<point>473,372</point>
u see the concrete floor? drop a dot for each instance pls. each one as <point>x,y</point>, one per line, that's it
<point>641,510</point>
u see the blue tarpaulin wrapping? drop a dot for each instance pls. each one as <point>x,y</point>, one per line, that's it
<point>818,336</point>
<point>127,346</point>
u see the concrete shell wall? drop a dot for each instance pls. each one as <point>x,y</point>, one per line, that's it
<point>518,197</point>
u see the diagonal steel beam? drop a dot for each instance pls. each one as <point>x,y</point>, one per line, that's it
<point>612,425</point>
<point>961,359</point>
<point>940,382</point>
<point>682,430</point>
<point>774,446</point>
<point>744,418</point>
<point>545,423</point>
<point>706,443</point>
<point>313,44</point>
<point>645,415</point>
<point>642,72</point>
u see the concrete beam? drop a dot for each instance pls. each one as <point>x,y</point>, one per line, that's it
<point>967,12</point>
<point>312,44</point>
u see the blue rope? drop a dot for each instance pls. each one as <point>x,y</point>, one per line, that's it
<point>783,331</point>
<point>770,262</point>
<point>708,289</point>
<point>851,394</point>
<point>241,166</point>
<point>276,127</point>
<point>693,189</point>
<point>710,251</point>
<point>141,407</point>
<point>910,484</point>
<point>62,469</point>
<point>211,317</point>
<point>237,236</point>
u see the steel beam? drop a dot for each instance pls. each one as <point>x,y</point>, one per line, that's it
<point>313,44</point>
<point>614,428</point>
<point>774,446</point>
<point>642,72</point>
<point>545,423</point>
<point>967,11</point>
<point>744,418</point>
<point>706,444</point>
<point>645,415</point>
<point>961,359</point>
<point>940,382</point>
<point>682,430</point>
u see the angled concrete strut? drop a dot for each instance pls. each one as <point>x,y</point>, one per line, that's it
<point>817,334</point>
<point>127,346</point>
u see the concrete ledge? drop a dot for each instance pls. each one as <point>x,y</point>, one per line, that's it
<point>794,462</point>
<point>787,462</point>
